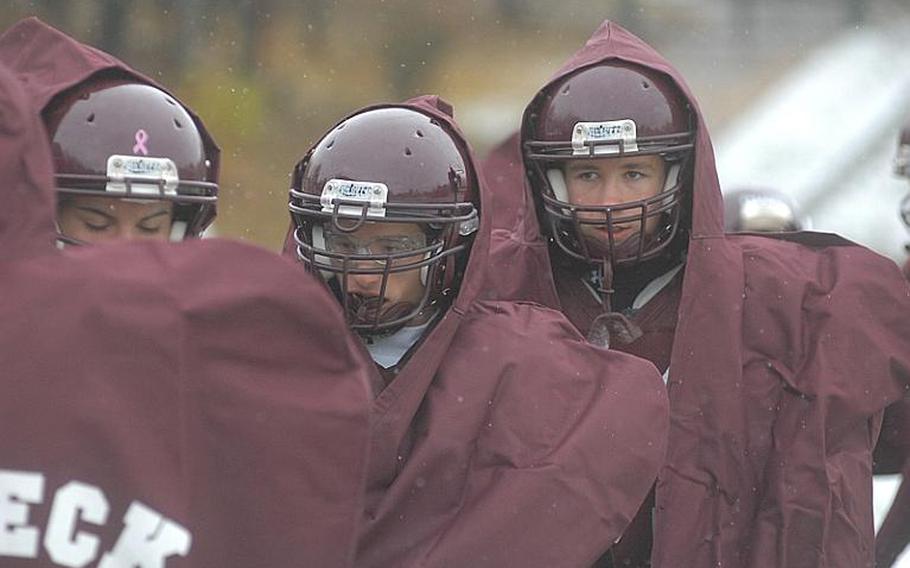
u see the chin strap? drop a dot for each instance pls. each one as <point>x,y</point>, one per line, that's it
<point>611,326</point>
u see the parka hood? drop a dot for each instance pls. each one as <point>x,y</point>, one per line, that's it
<point>26,220</point>
<point>474,273</point>
<point>613,42</point>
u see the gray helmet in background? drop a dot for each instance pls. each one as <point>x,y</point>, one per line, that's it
<point>760,210</point>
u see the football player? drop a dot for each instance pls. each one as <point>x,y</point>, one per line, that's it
<point>779,352</point>
<point>500,438</point>
<point>154,409</point>
<point>149,390</point>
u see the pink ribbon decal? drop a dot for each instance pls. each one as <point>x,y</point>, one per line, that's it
<point>141,138</point>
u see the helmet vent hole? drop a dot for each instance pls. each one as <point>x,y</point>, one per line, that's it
<point>340,126</point>
<point>565,90</point>
<point>177,123</point>
<point>645,85</point>
<point>91,118</point>
<point>407,151</point>
<point>419,134</point>
<point>330,144</point>
<point>170,101</point>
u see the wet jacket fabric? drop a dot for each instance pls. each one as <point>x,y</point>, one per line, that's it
<point>166,404</point>
<point>506,439</point>
<point>787,349</point>
<point>48,62</point>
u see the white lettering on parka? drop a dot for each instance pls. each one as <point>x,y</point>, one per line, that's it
<point>147,539</point>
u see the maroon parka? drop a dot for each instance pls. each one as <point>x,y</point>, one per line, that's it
<point>506,439</point>
<point>182,405</point>
<point>786,352</point>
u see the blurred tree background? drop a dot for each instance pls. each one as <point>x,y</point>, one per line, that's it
<point>269,76</point>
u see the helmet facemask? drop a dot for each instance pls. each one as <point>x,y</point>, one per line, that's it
<point>326,238</point>
<point>648,225</point>
<point>319,236</point>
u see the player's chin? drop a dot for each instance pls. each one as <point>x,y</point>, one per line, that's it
<point>625,244</point>
<point>372,310</point>
<point>601,237</point>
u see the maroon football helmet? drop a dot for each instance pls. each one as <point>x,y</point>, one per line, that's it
<point>117,138</point>
<point>902,168</point>
<point>761,211</point>
<point>613,109</point>
<point>386,165</point>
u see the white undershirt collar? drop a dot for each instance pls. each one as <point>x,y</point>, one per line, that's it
<point>388,350</point>
<point>654,287</point>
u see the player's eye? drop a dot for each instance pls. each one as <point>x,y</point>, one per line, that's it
<point>150,229</point>
<point>96,223</point>
<point>391,246</point>
<point>96,227</point>
<point>587,175</point>
<point>340,244</point>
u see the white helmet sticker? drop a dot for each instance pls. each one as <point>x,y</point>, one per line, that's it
<point>141,176</point>
<point>372,194</point>
<point>606,137</point>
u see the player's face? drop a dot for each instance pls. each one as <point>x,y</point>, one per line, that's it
<point>92,219</point>
<point>614,181</point>
<point>383,239</point>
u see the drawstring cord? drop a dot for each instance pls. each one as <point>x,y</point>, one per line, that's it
<point>610,326</point>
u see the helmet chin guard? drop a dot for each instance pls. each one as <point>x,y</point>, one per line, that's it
<point>567,222</point>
